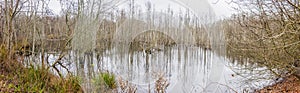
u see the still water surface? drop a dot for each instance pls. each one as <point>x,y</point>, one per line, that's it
<point>187,69</point>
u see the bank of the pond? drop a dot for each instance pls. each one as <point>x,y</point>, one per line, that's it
<point>290,84</point>
<point>14,77</point>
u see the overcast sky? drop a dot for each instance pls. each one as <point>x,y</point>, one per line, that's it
<point>221,8</point>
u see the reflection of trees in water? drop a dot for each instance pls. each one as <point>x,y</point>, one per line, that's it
<point>176,62</point>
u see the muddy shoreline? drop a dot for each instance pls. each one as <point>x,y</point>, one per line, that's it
<point>290,84</point>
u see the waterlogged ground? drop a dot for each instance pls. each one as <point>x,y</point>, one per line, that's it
<point>186,69</point>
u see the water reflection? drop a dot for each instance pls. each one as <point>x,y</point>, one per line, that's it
<point>186,69</point>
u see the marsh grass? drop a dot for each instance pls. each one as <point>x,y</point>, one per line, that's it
<point>109,80</point>
<point>14,77</point>
<point>41,80</point>
<point>104,82</point>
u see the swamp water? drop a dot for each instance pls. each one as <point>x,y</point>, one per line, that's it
<point>187,69</point>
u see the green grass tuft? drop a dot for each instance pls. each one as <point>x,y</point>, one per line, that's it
<point>105,81</point>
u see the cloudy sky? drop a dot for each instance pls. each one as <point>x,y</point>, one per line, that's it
<point>221,8</point>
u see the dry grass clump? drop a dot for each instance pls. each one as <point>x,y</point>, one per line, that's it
<point>161,84</point>
<point>126,87</point>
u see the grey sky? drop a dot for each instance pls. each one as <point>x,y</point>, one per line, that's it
<point>55,6</point>
<point>221,8</point>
